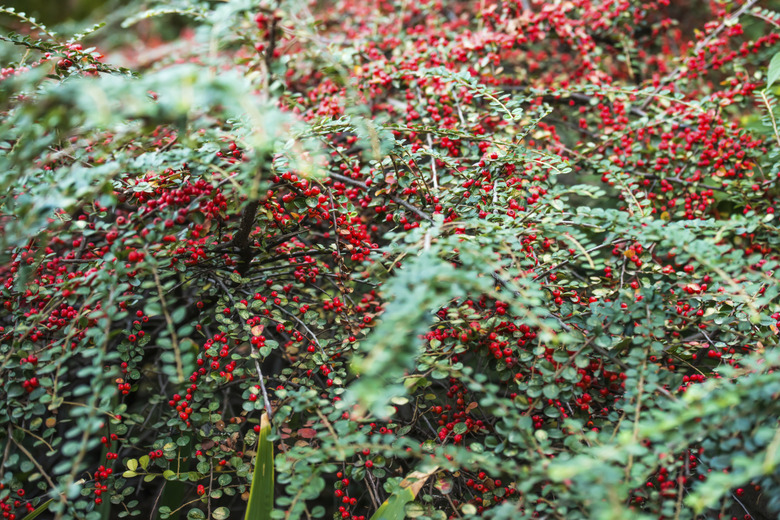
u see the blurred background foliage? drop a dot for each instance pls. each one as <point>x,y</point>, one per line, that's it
<point>120,45</point>
<point>62,11</point>
<point>72,16</point>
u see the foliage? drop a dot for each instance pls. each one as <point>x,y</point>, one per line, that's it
<point>522,253</point>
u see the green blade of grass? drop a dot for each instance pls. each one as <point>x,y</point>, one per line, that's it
<point>173,493</point>
<point>38,510</point>
<point>261,493</point>
<point>394,507</point>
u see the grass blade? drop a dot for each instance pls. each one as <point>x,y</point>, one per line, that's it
<point>261,493</point>
<point>38,510</point>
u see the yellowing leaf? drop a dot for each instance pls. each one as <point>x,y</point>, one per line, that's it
<point>393,508</point>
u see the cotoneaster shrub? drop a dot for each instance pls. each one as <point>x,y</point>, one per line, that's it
<point>524,251</point>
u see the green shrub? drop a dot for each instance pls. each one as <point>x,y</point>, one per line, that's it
<point>520,253</point>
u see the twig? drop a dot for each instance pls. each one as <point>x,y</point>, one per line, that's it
<point>168,321</point>
<point>677,180</point>
<point>395,199</point>
<point>37,465</point>
<point>82,453</point>
<point>771,115</point>
<point>558,266</point>
<point>455,509</point>
<point>373,492</point>
<point>157,498</point>
<point>302,324</point>
<point>168,144</point>
<point>727,22</point>
<point>211,481</point>
<point>255,355</point>
<point>640,387</point>
<point>766,19</point>
<point>329,426</point>
<point>433,165</point>
<point>31,434</point>
<point>6,451</point>
<point>269,52</point>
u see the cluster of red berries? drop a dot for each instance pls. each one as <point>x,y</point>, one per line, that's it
<point>102,474</point>
<point>13,501</point>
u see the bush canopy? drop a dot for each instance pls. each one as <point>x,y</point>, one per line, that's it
<point>502,259</point>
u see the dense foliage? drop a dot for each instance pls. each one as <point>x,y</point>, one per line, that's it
<point>521,252</point>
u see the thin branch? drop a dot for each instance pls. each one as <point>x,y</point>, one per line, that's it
<point>37,465</point>
<point>169,322</point>
<point>727,22</point>
<point>558,266</point>
<point>771,115</point>
<point>255,354</point>
<point>269,52</point>
<point>433,165</point>
<point>395,199</point>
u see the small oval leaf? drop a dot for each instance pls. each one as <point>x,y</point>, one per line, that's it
<point>773,71</point>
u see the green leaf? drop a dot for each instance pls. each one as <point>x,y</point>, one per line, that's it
<point>773,72</point>
<point>551,391</point>
<point>394,507</point>
<point>38,510</point>
<point>220,513</point>
<point>195,514</point>
<point>261,493</point>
